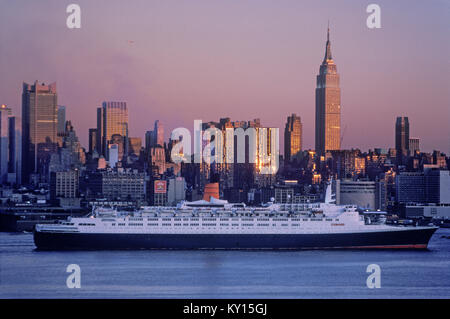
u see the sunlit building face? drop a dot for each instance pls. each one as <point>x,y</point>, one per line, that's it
<point>293,137</point>
<point>328,105</point>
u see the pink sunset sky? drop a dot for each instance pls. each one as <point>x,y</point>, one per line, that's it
<point>182,60</point>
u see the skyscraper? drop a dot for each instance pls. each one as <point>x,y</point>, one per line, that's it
<point>39,125</point>
<point>15,150</point>
<point>5,113</point>
<point>328,105</point>
<point>135,145</point>
<point>414,145</point>
<point>61,126</point>
<point>148,140</point>
<point>292,137</point>
<point>113,154</point>
<point>159,133</point>
<point>112,118</point>
<point>61,118</point>
<point>402,135</point>
<point>93,140</point>
<point>155,137</point>
<point>99,143</point>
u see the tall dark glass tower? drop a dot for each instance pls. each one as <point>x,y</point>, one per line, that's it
<point>39,125</point>
<point>328,105</point>
<point>401,137</point>
<point>293,138</point>
<point>112,118</point>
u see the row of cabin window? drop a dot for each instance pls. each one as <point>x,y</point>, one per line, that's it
<point>214,225</point>
<point>204,224</point>
<point>234,219</point>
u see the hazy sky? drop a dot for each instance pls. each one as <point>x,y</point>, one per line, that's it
<point>181,60</point>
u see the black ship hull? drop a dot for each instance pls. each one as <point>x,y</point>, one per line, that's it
<point>408,238</point>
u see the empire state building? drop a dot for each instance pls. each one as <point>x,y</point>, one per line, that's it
<point>328,105</point>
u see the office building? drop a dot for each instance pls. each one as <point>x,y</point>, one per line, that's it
<point>328,105</point>
<point>99,143</point>
<point>113,155</point>
<point>61,125</point>
<point>360,193</point>
<point>157,159</point>
<point>348,163</point>
<point>5,113</point>
<point>148,140</point>
<point>430,186</point>
<point>134,146</point>
<point>293,138</point>
<point>112,119</point>
<point>439,160</point>
<point>176,191</point>
<point>117,184</point>
<point>118,140</point>
<point>401,138</point>
<point>15,151</point>
<point>155,137</point>
<point>61,119</point>
<point>410,187</point>
<point>93,140</point>
<point>437,186</point>
<point>434,211</point>
<point>64,184</point>
<point>39,125</point>
<point>414,145</point>
<point>159,133</point>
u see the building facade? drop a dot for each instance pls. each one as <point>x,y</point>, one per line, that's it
<point>328,105</point>
<point>293,138</point>
<point>347,163</point>
<point>93,140</point>
<point>159,133</point>
<point>360,193</point>
<point>112,119</point>
<point>5,113</point>
<point>64,184</point>
<point>134,146</point>
<point>430,186</point>
<point>176,191</point>
<point>117,184</point>
<point>401,137</point>
<point>15,150</point>
<point>61,119</point>
<point>414,145</point>
<point>39,127</point>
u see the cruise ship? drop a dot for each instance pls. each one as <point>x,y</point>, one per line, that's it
<point>217,224</point>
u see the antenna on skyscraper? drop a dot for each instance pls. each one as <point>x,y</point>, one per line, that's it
<point>328,31</point>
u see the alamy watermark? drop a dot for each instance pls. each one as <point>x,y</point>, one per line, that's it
<point>213,145</point>
<point>74,19</point>
<point>374,19</point>
<point>74,279</point>
<point>374,279</point>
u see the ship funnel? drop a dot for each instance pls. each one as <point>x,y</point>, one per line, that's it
<point>328,194</point>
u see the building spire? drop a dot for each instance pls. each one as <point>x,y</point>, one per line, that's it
<point>328,46</point>
<point>328,33</point>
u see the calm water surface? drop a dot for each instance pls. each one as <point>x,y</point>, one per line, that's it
<point>27,273</point>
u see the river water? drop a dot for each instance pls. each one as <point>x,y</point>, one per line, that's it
<point>27,273</point>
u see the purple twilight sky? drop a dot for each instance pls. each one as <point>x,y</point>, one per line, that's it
<point>181,60</point>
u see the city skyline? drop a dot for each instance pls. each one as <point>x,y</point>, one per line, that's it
<point>180,76</point>
<point>230,139</point>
